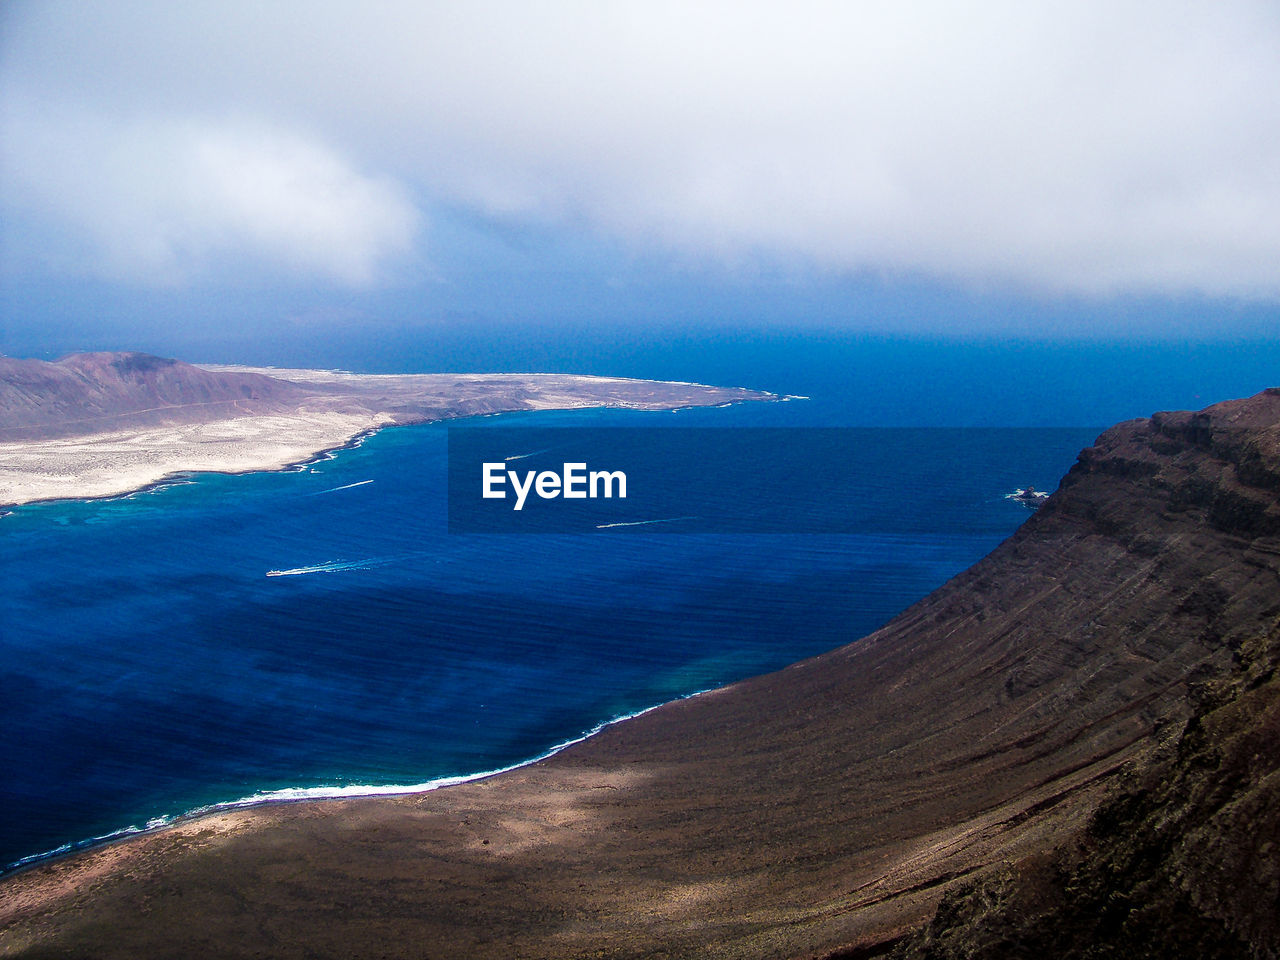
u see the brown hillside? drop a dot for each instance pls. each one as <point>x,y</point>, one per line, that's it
<point>94,392</point>
<point>821,810</point>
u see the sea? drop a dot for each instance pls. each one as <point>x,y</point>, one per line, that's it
<point>223,640</point>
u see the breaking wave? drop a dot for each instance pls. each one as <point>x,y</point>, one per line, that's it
<point>295,794</point>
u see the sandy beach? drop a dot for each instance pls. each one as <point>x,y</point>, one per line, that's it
<point>122,461</point>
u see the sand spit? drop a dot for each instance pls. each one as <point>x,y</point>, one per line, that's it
<point>122,461</point>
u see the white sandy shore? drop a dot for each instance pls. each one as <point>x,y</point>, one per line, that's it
<point>114,463</point>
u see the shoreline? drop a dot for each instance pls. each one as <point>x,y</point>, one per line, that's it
<point>181,476</point>
<point>157,471</point>
<point>339,411</point>
<point>300,795</point>
<point>178,447</point>
<point>823,809</point>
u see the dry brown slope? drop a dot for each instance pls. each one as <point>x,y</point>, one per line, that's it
<point>821,808</point>
<point>95,392</point>
<point>1179,861</point>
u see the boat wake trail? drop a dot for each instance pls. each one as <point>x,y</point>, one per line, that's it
<point>333,566</point>
<point>641,523</point>
<point>345,486</point>
<point>523,456</point>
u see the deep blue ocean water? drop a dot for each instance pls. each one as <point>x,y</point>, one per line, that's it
<point>150,667</point>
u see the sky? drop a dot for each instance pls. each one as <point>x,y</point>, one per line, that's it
<point>216,171</point>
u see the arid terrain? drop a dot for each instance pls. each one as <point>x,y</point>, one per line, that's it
<point>1068,750</point>
<point>99,424</point>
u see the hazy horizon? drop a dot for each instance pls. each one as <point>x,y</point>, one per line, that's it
<point>190,178</point>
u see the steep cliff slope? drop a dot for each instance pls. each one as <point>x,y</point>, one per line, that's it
<point>822,810</point>
<point>1183,858</point>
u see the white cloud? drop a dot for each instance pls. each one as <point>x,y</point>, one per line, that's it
<point>164,200</point>
<point>1093,147</point>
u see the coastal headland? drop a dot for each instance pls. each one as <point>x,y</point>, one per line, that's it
<point>102,424</point>
<point>1070,747</point>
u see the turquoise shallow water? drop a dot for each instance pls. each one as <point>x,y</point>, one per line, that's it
<point>151,667</point>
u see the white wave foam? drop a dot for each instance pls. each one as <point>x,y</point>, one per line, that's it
<point>294,794</point>
<point>155,823</point>
<point>1026,495</point>
<point>289,794</point>
<point>47,855</point>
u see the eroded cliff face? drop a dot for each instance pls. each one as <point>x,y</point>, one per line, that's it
<point>1182,858</point>
<point>1220,467</point>
<point>1015,716</point>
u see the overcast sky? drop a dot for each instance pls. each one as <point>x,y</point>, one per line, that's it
<point>1085,153</point>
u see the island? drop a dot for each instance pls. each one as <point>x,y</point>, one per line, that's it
<point>103,424</point>
<point>1071,749</point>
